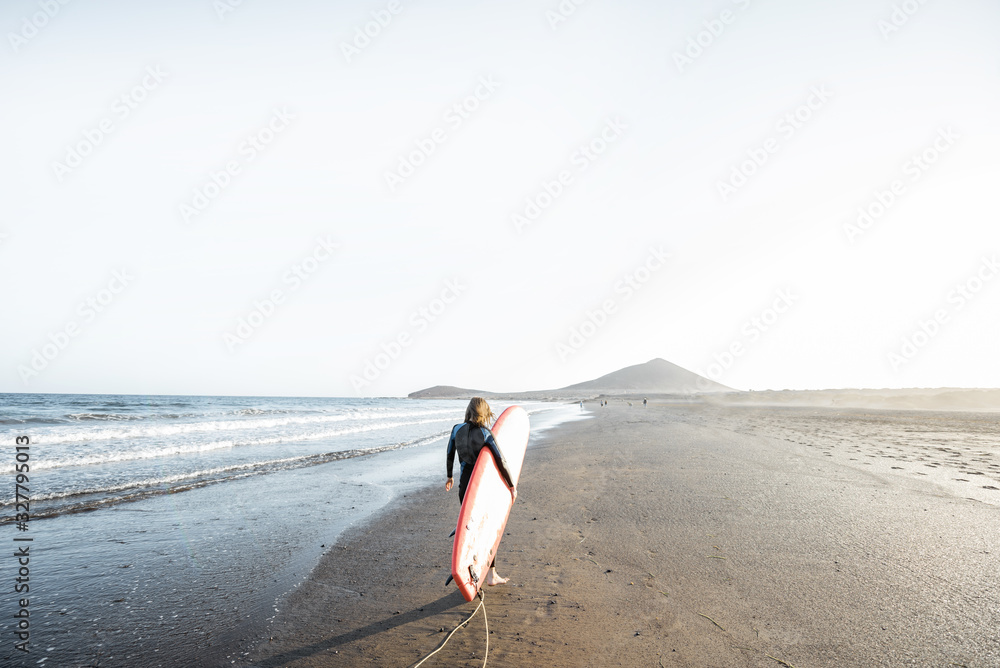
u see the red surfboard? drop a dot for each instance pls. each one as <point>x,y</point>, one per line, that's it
<point>487,503</point>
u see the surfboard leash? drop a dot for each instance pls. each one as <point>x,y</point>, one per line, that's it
<point>482,604</point>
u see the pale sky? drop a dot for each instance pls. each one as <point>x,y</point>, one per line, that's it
<point>171,168</point>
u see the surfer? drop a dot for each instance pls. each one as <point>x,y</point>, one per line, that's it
<point>467,439</point>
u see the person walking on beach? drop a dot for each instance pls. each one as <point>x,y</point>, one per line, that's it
<point>467,439</point>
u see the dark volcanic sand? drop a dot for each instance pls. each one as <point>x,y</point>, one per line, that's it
<point>665,536</point>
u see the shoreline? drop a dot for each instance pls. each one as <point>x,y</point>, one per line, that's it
<point>192,574</point>
<point>948,399</point>
<point>658,536</point>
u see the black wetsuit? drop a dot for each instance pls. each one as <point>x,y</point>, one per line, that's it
<point>467,441</point>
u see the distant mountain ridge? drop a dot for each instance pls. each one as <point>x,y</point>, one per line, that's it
<point>657,376</point>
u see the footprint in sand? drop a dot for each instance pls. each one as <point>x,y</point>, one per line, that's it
<point>960,479</point>
<point>991,487</point>
<point>896,467</point>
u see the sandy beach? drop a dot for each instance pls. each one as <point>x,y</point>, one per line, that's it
<point>688,536</point>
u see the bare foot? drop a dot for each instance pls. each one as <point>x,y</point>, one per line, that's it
<point>493,579</point>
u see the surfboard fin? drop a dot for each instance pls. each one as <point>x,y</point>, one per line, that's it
<point>448,581</point>
<point>452,534</point>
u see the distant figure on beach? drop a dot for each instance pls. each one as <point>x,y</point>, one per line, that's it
<point>467,439</point>
<point>581,405</point>
<point>644,402</point>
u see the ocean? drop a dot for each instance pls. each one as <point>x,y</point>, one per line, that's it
<point>168,529</point>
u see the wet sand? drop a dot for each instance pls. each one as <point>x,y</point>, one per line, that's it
<point>679,536</point>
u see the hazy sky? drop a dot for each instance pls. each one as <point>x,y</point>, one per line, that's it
<point>258,197</point>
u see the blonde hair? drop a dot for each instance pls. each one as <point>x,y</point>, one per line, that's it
<point>478,414</point>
